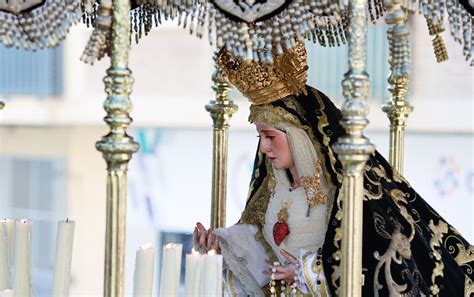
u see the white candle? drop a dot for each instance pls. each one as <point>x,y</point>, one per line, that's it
<point>22,259</point>
<point>62,262</point>
<point>144,270</point>
<point>7,293</point>
<point>4,277</point>
<point>170,270</point>
<point>6,249</point>
<point>193,276</point>
<point>212,282</point>
<point>10,227</point>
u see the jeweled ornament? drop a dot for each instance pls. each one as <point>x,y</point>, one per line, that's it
<point>251,10</point>
<point>280,228</point>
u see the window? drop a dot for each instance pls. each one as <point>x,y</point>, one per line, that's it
<point>328,65</point>
<point>25,73</point>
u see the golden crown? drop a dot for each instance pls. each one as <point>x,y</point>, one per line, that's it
<point>263,83</point>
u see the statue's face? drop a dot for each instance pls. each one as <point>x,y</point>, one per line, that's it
<point>274,144</point>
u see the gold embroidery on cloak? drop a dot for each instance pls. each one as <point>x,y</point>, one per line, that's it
<point>435,242</point>
<point>370,185</point>
<point>399,197</point>
<point>398,249</point>
<point>464,257</point>
<point>468,287</point>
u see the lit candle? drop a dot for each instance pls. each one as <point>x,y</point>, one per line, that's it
<point>193,276</point>
<point>7,293</point>
<point>6,249</point>
<point>170,270</point>
<point>212,282</point>
<point>22,259</point>
<point>144,270</point>
<point>62,264</point>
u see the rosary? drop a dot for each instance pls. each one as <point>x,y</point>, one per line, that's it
<point>283,291</point>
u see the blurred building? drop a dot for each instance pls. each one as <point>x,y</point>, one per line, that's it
<point>50,170</point>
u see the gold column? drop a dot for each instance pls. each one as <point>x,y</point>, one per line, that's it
<point>354,150</point>
<point>397,108</point>
<point>221,110</point>
<point>117,148</point>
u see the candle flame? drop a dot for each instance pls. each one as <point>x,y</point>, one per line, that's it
<point>145,246</point>
<point>211,252</point>
<point>170,245</point>
<point>24,221</point>
<point>194,252</point>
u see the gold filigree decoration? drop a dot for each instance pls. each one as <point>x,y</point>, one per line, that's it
<point>400,199</point>
<point>468,287</point>
<point>262,82</point>
<point>398,250</point>
<point>373,190</point>
<point>272,115</point>
<point>256,208</point>
<point>399,178</point>
<point>435,242</point>
<point>312,187</point>
<point>464,255</point>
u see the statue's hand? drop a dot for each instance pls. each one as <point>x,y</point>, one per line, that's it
<point>204,240</point>
<point>283,272</point>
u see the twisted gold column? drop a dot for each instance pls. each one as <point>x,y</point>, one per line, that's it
<point>221,110</point>
<point>353,150</point>
<point>117,148</point>
<point>397,108</point>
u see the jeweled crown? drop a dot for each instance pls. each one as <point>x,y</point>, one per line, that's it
<point>262,82</point>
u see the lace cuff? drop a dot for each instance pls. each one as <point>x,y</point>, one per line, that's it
<point>244,257</point>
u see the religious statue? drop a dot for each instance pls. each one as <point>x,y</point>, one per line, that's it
<point>288,239</point>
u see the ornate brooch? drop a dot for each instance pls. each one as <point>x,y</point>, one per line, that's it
<point>312,187</point>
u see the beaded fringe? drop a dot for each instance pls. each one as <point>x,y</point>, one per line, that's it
<point>42,27</point>
<point>323,22</point>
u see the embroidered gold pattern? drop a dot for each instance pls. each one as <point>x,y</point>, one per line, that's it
<point>373,189</point>
<point>399,197</point>
<point>468,287</point>
<point>312,288</point>
<point>435,242</point>
<point>464,255</point>
<point>256,208</point>
<point>398,249</point>
<point>312,187</point>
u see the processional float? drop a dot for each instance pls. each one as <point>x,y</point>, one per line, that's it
<point>247,29</point>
